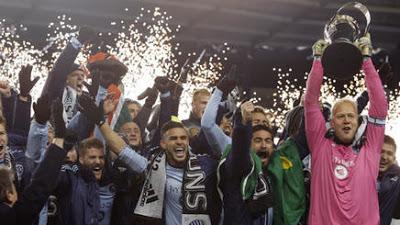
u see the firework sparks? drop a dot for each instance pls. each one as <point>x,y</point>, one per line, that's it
<point>16,53</point>
<point>144,46</point>
<point>200,76</point>
<point>288,91</point>
<point>146,49</point>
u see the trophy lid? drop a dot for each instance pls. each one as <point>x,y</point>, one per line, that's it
<point>355,14</point>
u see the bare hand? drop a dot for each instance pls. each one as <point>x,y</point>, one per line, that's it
<point>109,103</point>
<point>247,108</point>
<point>5,89</point>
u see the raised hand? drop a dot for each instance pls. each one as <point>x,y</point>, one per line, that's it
<point>162,84</point>
<point>365,45</point>
<point>228,82</point>
<point>5,88</point>
<point>151,95</point>
<point>25,82</point>
<point>319,47</point>
<point>86,34</point>
<point>110,102</point>
<point>42,109</point>
<point>57,110</point>
<point>94,113</point>
<point>93,87</point>
<point>247,108</point>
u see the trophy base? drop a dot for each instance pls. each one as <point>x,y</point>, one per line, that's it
<point>341,60</point>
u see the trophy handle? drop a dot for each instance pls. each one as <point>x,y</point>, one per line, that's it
<point>351,5</point>
<point>326,29</point>
<point>363,9</point>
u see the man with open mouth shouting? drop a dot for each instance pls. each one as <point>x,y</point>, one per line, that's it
<point>343,178</point>
<point>180,187</point>
<point>388,180</point>
<point>245,188</point>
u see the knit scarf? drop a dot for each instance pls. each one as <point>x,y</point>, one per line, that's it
<point>194,206</point>
<point>254,187</point>
<point>253,184</point>
<point>69,101</point>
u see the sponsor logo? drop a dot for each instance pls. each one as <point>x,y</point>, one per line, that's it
<point>341,172</point>
<point>195,196</point>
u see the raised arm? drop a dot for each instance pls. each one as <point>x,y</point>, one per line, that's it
<point>214,134</point>
<point>42,184</point>
<point>55,82</point>
<point>45,178</point>
<point>314,120</point>
<point>17,107</point>
<point>169,97</point>
<point>377,109</point>
<point>38,132</point>
<point>17,112</point>
<point>378,104</point>
<point>143,116</point>
<point>238,162</point>
<point>127,155</point>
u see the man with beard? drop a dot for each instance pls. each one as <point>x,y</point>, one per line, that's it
<point>96,186</point>
<point>78,186</point>
<point>388,180</point>
<point>179,186</point>
<point>169,174</point>
<point>343,178</point>
<point>246,190</point>
<point>87,191</point>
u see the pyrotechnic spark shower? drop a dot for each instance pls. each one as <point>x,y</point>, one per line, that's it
<point>144,45</point>
<point>15,53</point>
<point>288,91</point>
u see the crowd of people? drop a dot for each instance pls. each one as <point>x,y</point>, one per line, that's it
<point>89,156</point>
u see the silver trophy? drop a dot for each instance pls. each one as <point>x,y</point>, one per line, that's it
<point>342,59</point>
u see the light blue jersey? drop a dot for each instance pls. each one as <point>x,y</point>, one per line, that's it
<point>173,206</point>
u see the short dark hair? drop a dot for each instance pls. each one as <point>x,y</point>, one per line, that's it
<point>129,101</point>
<point>263,127</point>
<point>171,125</point>
<point>89,143</point>
<point>6,182</point>
<point>390,141</point>
<point>293,120</point>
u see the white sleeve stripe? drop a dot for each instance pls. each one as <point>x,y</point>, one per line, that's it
<point>376,121</point>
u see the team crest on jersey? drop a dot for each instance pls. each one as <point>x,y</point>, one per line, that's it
<point>341,172</point>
